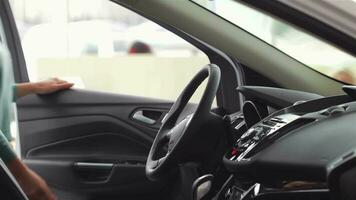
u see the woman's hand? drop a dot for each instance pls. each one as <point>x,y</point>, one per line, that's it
<point>42,87</point>
<point>34,186</point>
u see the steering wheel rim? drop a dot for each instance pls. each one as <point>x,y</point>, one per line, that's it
<point>175,133</point>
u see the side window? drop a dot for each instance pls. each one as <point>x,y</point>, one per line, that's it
<point>302,46</point>
<point>104,47</point>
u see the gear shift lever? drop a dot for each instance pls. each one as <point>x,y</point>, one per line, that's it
<point>202,186</point>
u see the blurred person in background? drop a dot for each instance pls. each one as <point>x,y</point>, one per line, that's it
<point>345,76</point>
<point>139,47</point>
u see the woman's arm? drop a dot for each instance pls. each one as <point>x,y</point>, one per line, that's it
<point>42,87</point>
<point>34,186</point>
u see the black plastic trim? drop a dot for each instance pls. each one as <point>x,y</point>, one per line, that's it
<point>13,42</point>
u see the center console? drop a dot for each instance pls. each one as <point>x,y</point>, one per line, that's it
<point>297,143</point>
<point>259,134</point>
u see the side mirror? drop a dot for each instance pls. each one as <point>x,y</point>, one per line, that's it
<point>202,186</point>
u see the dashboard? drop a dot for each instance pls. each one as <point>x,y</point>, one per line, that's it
<point>310,140</point>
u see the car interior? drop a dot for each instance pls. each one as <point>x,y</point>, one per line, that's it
<point>281,130</point>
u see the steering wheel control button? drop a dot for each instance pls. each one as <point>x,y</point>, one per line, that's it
<point>256,135</point>
<point>269,123</point>
<point>256,138</point>
<point>248,135</point>
<point>155,164</point>
<point>248,132</point>
<point>234,152</point>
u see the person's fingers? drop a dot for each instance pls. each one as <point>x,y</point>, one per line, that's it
<point>62,81</point>
<point>55,79</point>
<point>49,195</point>
<point>38,194</point>
<point>52,85</point>
<point>58,80</point>
<point>44,193</point>
<point>64,86</point>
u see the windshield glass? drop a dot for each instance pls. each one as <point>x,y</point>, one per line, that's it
<point>302,46</point>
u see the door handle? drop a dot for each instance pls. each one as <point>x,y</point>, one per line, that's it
<point>92,165</point>
<point>139,116</point>
<point>93,172</point>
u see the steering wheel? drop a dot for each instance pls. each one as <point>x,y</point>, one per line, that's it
<point>176,140</point>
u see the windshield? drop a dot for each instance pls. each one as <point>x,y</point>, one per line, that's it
<point>305,48</point>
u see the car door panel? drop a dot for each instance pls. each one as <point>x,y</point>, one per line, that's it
<point>88,143</point>
<point>123,180</point>
<point>58,134</point>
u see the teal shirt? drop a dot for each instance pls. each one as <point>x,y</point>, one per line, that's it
<point>6,99</point>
